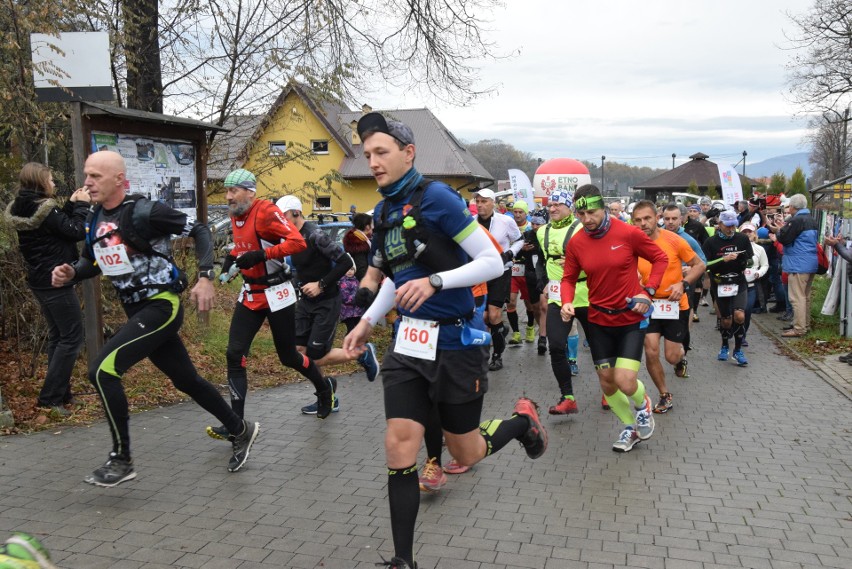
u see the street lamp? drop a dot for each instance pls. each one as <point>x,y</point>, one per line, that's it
<point>744,158</point>
<point>602,173</point>
<point>673,157</point>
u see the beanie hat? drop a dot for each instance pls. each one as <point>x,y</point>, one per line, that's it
<point>762,233</point>
<point>522,205</point>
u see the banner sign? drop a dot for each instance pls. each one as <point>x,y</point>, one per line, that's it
<point>732,191</point>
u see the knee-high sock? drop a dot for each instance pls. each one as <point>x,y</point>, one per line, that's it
<point>434,438</point>
<point>497,339</point>
<point>238,387</point>
<point>497,433</point>
<point>738,331</point>
<point>573,344</point>
<point>404,500</point>
<point>530,318</point>
<point>726,335</point>
<point>639,396</point>
<point>619,403</point>
<point>512,316</point>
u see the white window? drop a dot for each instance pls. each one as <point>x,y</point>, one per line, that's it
<point>322,203</point>
<point>278,148</point>
<point>319,147</point>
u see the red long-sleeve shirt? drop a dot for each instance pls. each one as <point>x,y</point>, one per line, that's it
<point>611,268</point>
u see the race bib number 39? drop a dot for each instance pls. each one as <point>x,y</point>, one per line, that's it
<point>417,338</point>
<point>726,290</point>
<point>665,310</point>
<point>113,260</point>
<point>280,296</point>
<point>554,291</point>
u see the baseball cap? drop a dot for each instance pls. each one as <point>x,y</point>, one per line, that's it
<point>486,193</point>
<point>289,203</point>
<point>522,205</point>
<point>747,227</point>
<point>376,122</point>
<point>537,220</point>
<point>241,179</point>
<point>728,218</point>
<point>562,196</point>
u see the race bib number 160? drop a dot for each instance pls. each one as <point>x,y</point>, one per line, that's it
<point>417,338</point>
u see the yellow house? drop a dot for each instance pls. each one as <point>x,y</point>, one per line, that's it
<point>309,147</point>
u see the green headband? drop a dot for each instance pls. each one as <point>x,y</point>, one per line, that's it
<point>590,202</point>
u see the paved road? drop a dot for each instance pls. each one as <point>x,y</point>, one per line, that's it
<point>750,469</point>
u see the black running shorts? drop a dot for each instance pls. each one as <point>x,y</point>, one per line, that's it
<point>671,330</point>
<point>316,324</point>
<point>499,288</point>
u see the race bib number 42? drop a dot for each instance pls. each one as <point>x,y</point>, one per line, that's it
<point>113,260</point>
<point>554,291</point>
<point>417,338</point>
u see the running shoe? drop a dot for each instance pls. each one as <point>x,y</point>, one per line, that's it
<point>220,433</point>
<point>370,362</point>
<point>114,471</point>
<point>454,467</point>
<point>312,408</point>
<point>695,318</point>
<point>325,402</point>
<point>542,345</point>
<point>575,369</point>
<point>242,445</point>
<point>396,563</point>
<point>681,369</point>
<point>432,478</point>
<point>664,405</point>
<point>535,439</point>
<point>626,440</point>
<point>704,301</point>
<point>741,359</point>
<point>745,343</point>
<point>530,334</point>
<point>24,551</point>
<point>645,420</point>
<point>564,407</point>
<point>604,404</point>
<point>496,363</point>
<point>845,358</point>
<point>516,338</point>
<point>723,354</point>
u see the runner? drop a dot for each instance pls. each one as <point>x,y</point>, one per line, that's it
<point>508,236</point>
<point>728,254</point>
<point>607,250</point>
<point>523,277</point>
<point>670,319</point>
<point>318,269</point>
<point>148,284</point>
<point>433,251</point>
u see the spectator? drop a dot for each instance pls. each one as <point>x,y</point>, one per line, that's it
<point>356,242</point>
<point>799,238</point>
<point>47,236</point>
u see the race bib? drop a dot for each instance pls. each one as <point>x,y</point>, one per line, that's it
<point>750,275</point>
<point>554,290</point>
<point>726,290</point>
<point>518,270</point>
<point>280,296</point>
<point>417,338</point>
<point>113,260</point>
<point>665,309</point>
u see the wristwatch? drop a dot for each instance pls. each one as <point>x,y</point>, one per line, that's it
<point>651,291</point>
<point>686,285</point>
<point>436,282</point>
<point>208,274</point>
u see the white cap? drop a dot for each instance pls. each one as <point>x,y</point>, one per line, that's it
<point>486,193</point>
<point>289,203</point>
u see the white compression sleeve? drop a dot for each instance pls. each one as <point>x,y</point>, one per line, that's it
<point>382,304</point>
<point>485,265</point>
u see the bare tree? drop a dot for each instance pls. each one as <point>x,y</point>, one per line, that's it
<point>820,70</point>
<point>497,157</point>
<point>830,155</point>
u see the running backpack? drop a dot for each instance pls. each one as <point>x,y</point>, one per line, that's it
<point>822,261</point>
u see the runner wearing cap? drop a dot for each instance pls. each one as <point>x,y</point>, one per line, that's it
<point>433,252</point>
<point>262,239</point>
<point>523,277</point>
<point>728,254</point>
<point>670,319</point>
<point>552,239</point>
<point>508,236</point>
<point>607,250</point>
<point>319,268</point>
<point>757,268</point>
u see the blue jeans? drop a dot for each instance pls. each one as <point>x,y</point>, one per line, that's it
<point>64,318</point>
<point>776,284</point>
<point>750,302</point>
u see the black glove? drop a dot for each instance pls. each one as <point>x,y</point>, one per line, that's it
<point>226,265</point>
<point>507,256</point>
<point>250,259</point>
<point>364,297</point>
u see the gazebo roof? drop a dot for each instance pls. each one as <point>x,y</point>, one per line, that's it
<point>699,170</point>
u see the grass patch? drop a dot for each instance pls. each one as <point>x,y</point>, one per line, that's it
<point>824,337</point>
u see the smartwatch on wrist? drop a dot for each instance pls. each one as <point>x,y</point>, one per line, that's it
<point>436,282</point>
<point>208,274</point>
<point>651,291</point>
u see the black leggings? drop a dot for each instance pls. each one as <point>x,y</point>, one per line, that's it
<point>151,331</point>
<point>244,326</point>
<point>557,341</point>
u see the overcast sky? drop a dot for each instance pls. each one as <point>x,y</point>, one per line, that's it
<point>635,81</point>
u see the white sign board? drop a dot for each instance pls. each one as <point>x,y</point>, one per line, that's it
<point>75,61</point>
<point>732,191</point>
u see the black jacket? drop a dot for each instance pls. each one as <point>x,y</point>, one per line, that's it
<point>47,235</point>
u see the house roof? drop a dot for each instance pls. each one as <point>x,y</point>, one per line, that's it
<point>93,109</point>
<point>439,152</point>
<point>226,153</point>
<point>699,170</point>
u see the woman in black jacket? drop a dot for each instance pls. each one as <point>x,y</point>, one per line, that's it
<point>47,236</point>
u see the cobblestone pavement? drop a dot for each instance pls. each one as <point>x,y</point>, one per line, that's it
<point>750,469</point>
